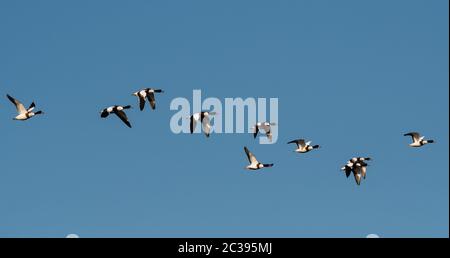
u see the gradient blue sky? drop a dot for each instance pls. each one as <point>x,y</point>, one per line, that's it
<point>352,76</point>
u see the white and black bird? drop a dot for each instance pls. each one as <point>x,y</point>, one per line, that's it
<point>254,163</point>
<point>147,94</point>
<point>303,146</point>
<point>266,126</point>
<point>361,162</point>
<point>204,118</point>
<point>117,110</point>
<point>358,167</point>
<point>23,113</point>
<point>418,141</point>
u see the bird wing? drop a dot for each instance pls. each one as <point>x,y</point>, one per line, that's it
<point>269,136</point>
<point>32,106</point>
<point>123,117</point>
<point>255,131</point>
<point>19,106</point>
<point>348,171</point>
<point>415,136</point>
<point>141,102</point>
<point>299,142</point>
<point>250,156</point>
<point>357,174</point>
<point>151,99</point>
<point>193,123</point>
<point>206,126</point>
<point>363,171</point>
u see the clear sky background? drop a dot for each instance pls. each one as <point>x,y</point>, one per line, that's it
<point>353,76</point>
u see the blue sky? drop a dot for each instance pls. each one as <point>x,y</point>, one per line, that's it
<point>352,76</point>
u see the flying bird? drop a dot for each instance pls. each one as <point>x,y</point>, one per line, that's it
<point>119,111</point>
<point>148,93</point>
<point>204,118</point>
<point>358,167</point>
<point>360,162</point>
<point>418,141</point>
<point>254,163</point>
<point>23,113</point>
<point>266,126</point>
<point>303,147</point>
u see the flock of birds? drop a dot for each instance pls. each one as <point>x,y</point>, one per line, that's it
<point>356,165</point>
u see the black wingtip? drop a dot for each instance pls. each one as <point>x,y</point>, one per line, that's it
<point>10,98</point>
<point>104,114</point>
